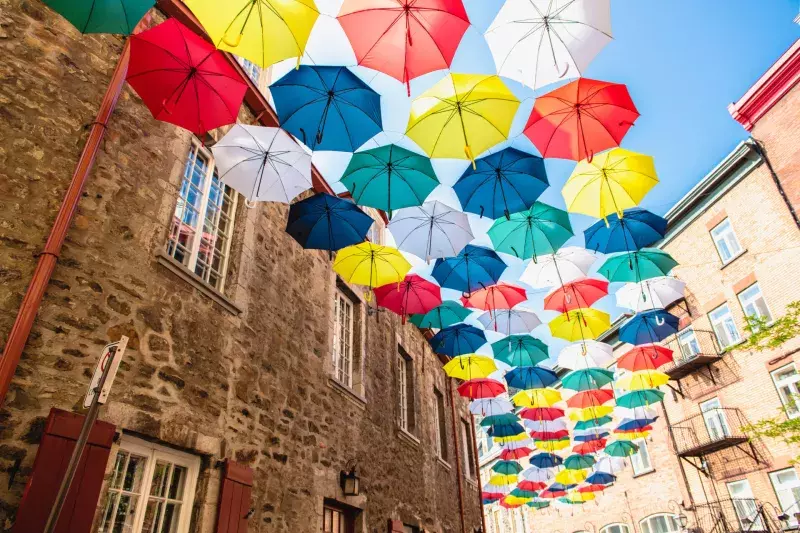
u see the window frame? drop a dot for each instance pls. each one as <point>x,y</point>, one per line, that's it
<point>252,70</point>
<point>347,516</point>
<point>795,507</point>
<point>407,419</point>
<point>343,375</point>
<point>795,383</point>
<point>644,523</point>
<point>469,451</point>
<point>440,426</point>
<point>618,525</point>
<point>721,323</point>
<point>642,444</point>
<point>716,413</point>
<point>731,232</point>
<point>742,303</point>
<point>688,330</point>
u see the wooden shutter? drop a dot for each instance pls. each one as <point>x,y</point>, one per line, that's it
<point>60,433</point>
<point>396,526</point>
<point>234,498</point>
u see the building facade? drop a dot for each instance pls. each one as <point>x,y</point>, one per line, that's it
<point>254,378</point>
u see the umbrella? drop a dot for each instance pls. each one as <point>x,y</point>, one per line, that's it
<point>593,423</point>
<point>576,294</point>
<point>580,119</point>
<point>530,377</point>
<point>601,478</point>
<point>262,31</point>
<point>580,497</point>
<point>514,437</point>
<point>648,327</point>
<point>545,425</point>
<point>102,16</point>
<point>502,183</point>
<point>588,447</point>
<point>520,350</point>
<point>325,222</point>
<point>610,183</point>
<point>473,268</point>
<point>490,406</point>
<point>585,354</point>
<point>539,42</point>
<point>553,494</point>
<point>587,379</point>
<point>541,413</point>
<point>587,436</point>
<point>462,116</point>
<point>481,388</point>
<point>546,460</point>
<point>510,321</point>
<point>431,230</point>
<point>328,108</point>
<point>370,264</point>
<point>569,476</point>
<point>470,366</point>
<point>609,465</point>
<point>635,423</point>
<point>635,267</point>
<point>507,467</point>
<point>646,357</point>
<point>634,435</point>
<point>636,229</point>
<point>521,493</point>
<point>391,177</point>
<point>552,446</point>
<point>501,480</point>
<point>404,38</point>
<point>590,398</point>
<point>531,485</point>
<point>457,340</point>
<point>505,418</point>
<point>592,488</point>
<point>537,398</point>
<point>590,411</point>
<point>535,474</point>
<point>500,296</point>
<point>538,505</point>
<point>542,229</point>
<point>447,314</point>
<point>580,324</point>
<point>412,295</point>
<point>640,398</point>
<point>515,453</point>
<point>650,294</point>
<point>643,379</point>
<point>565,265</point>
<point>266,164</point>
<point>183,80</point>
<point>505,431</point>
<point>621,449</point>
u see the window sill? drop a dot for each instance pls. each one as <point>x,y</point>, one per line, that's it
<point>408,437</point>
<point>642,474</point>
<point>471,482</point>
<point>732,259</point>
<point>182,272</point>
<point>348,393</point>
<point>444,463</point>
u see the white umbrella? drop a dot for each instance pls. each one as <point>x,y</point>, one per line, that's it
<point>263,163</point>
<point>431,230</point>
<point>537,475</point>
<point>490,406</point>
<point>554,270</point>
<point>538,42</point>
<point>517,444</point>
<point>655,293</point>
<point>497,489</point>
<point>585,354</point>
<point>545,425</point>
<point>609,465</point>
<point>509,321</point>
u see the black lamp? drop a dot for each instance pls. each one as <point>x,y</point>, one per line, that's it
<point>683,519</point>
<point>349,480</point>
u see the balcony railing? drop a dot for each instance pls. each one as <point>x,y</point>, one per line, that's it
<point>709,431</point>
<point>691,352</point>
<point>736,515</point>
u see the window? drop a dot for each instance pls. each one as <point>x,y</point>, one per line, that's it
<point>253,71</point>
<point>745,506</point>
<point>753,303</point>
<point>786,379</point>
<point>343,338</point>
<point>151,489</point>
<point>726,242</point>
<point>375,233</point>
<point>469,450</point>
<point>441,429</point>
<point>660,523</point>
<point>787,489</point>
<point>202,226</point>
<point>714,417</point>
<point>687,341</point>
<point>405,379</point>
<point>336,518</point>
<point>410,529</point>
<point>615,528</point>
<point>723,326</point>
<point>640,461</point>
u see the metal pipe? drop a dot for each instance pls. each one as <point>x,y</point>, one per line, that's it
<point>478,472</point>
<point>458,457</point>
<point>763,153</point>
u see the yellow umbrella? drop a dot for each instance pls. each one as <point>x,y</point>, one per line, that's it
<point>581,496</point>
<point>470,367</point>
<point>551,445</point>
<point>516,500</point>
<point>537,398</point>
<point>612,181</point>
<point>511,438</point>
<point>644,379</point>
<point>263,31</point>
<point>590,413</point>
<point>570,477</point>
<point>462,116</point>
<point>502,480</point>
<point>633,435</point>
<point>580,324</point>
<point>371,264</point>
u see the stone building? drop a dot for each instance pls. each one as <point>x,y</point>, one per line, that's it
<point>254,377</point>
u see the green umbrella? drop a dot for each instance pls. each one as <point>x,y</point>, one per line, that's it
<point>635,267</point>
<point>505,418</point>
<point>593,423</point>
<point>520,493</point>
<point>102,16</point>
<point>508,468</point>
<point>447,314</point>
<point>389,177</point>
<point>578,462</point>
<point>416,319</point>
<point>520,350</point>
<point>540,230</point>
<point>621,448</point>
<point>587,379</point>
<point>640,398</point>
<point>538,505</point>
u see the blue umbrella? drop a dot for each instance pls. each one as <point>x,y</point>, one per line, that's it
<point>648,327</point>
<point>530,377</point>
<point>458,340</point>
<point>507,182</point>
<point>473,268</point>
<point>636,229</point>
<point>635,423</point>
<point>546,460</point>
<point>328,108</point>
<point>560,486</point>
<point>601,478</point>
<point>325,222</point>
<point>505,430</point>
<point>600,434</point>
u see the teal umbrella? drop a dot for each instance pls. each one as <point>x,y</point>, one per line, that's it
<point>538,505</point>
<point>520,493</point>
<point>449,313</point>
<point>389,177</point>
<point>520,350</point>
<point>507,467</point>
<point>540,230</point>
<point>621,448</point>
<point>592,423</point>
<point>587,379</point>
<point>504,418</point>
<point>640,398</point>
<point>579,462</point>
<point>635,267</point>
<point>102,16</point>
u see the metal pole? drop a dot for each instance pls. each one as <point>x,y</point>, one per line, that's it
<point>478,472</point>
<point>77,452</point>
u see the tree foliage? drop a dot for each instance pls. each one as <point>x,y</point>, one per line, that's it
<point>766,336</point>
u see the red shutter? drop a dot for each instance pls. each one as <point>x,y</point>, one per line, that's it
<point>55,449</point>
<point>396,526</point>
<point>234,498</point>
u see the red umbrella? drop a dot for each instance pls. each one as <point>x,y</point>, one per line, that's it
<point>634,430</point>
<point>404,38</point>
<point>183,79</point>
<point>541,414</point>
<point>491,495</point>
<point>645,357</point>
<point>500,296</point>
<point>576,294</point>
<point>481,388</point>
<point>580,119</point>
<point>414,295</point>
<point>551,494</point>
<point>588,447</point>
<point>505,504</point>
<point>549,435</point>
<point>590,398</point>
<point>517,453</point>
<point>531,485</point>
<point>592,488</point>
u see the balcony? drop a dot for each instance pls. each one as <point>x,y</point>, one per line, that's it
<point>692,350</point>
<point>709,431</point>
<point>736,515</point>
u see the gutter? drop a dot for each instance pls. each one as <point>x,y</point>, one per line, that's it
<point>759,147</point>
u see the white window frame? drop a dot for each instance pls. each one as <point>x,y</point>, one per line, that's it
<point>712,412</point>
<point>721,323</point>
<point>751,300</point>
<point>469,450</point>
<point>252,70</point>
<point>440,423</point>
<point>343,331</point>
<point>745,506</point>
<point>645,524</point>
<point>402,382</point>
<point>618,527</point>
<point>723,234</point>
<point>790,508</point>
<point>686,340</point>
<point>641,462</point>
<point>375,233</point>
<point>789,399</point>
<point>153,453</point>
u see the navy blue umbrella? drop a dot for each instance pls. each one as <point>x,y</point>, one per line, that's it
<point>635,423</point>
<point>325,222</point>
<point>546,460</point>
<point>327,108</point>
<point>505,430</point>
<point>507,182</point>
<point>648,327</point>
<point>530,377</point>
<point>636,229</point>
<point>601,478</point>
<point>472,269</point>
<point>556,487</point>
<point>458,340</point>
<point>600,434</point>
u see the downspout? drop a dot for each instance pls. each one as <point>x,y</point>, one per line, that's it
<point>458,457</point>
<point>759,147</point>
<point>478,472</point>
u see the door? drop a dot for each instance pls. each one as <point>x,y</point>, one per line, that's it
<point>714,417</point>
<point>745,506</point>
<point>787,489</point>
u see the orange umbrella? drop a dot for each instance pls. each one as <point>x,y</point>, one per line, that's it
<point>500,296</point>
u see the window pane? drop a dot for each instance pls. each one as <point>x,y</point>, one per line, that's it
<point>152,516</point>
<point>160,476</point>
<point>724,326</point>
<point>725,241</point>
<point>177,483</point>
<point>172,515</point>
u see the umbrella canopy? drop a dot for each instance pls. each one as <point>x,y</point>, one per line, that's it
<point>481,388</point>
<point>580,119</point>
<point>601,478</point>
<point>648,327</point>
<point>468,367</point>
<point>500,296</point>
<point>621,449</point>
<point>390,177</point>
<point>262,31</point>
<point>590,435</point>
<point>593,423</point>
<point>567,264</point>
<point>520,350</point>
<point>447,314</point>
<point>590,412</point>
<point>640,398</point>
<point>580,324</point>
<point>537,398</point>
<point>588,447</point>
<point>473,268</point>
<point>524,494</point>
<point>266,164</point>
<point>506,418</point>
<point>370,264</point>
<point>552,494</point>
<point>552,446</point>
<point>545,425</point>
<point>590,398</point>
<point>502,183</point>
<point>102,16</point>
<point>183,80</point>
<point>490,406</point>
<point>643,379</point>
<point>646,357</point>
<point>653,293</point>
<point>610,183</point>
<point>537,475</point>
<point>404,38</point>
<point>538,505</point>
<point>635,423</point>
<point>501,480</point>
<point>576,294</point>
<point>585,354</point>
<point>457,340</point>
<point>635,267</point>
<point>539,42</point>
<point>531,485</point>
<point>327,108</point>
<point>569,476</point>
<point>530,377</point>
<point>462,116</point>
<point>510,321</point>
<point>587,379</point>
<point>412,295</point>
<point>635,229</point>
<point>592,488</point>
<point>431,230</point>
<point>546,460</point>
<point>325,222</point>
<point>557,434</point>
<point>505,430</point>
<point>507,467</point>
<point>541,413</point>
<point>609,465</point>
<point>542,229</point>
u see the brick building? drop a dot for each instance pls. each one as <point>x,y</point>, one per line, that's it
<point>253,378</point>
